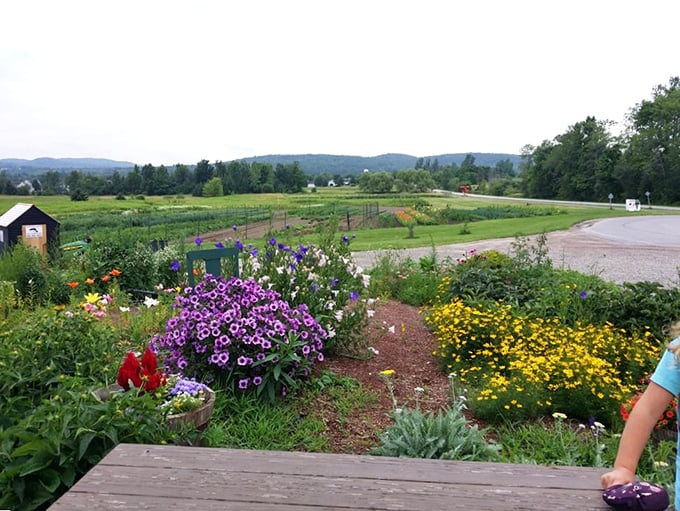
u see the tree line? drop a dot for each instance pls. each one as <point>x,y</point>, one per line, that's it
<point>204,179</point>
<point>586,163</point>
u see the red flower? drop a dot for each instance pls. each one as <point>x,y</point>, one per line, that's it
<point>129,371</point>
<point>146,376</point>
<point>668,419</point>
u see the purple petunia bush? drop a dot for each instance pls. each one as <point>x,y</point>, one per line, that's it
<point>239,335</point>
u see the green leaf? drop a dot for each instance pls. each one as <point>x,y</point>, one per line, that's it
<point>32,447</point>
<point>50,480</point>
<point>37,463</point>
<point>68,476</point>
<point>84,443</point>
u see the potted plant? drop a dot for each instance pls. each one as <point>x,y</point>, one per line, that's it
<point>185,400</point>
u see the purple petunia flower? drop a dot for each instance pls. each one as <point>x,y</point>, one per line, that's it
<point>583,295</point>
<point>219,244</point>
<point>238,328</point>
<point>354,295</point>
<point>238,244</point>
<point>174,266</point>
<point>198,241</point>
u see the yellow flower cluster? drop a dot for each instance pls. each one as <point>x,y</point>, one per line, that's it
<point>527,363</point>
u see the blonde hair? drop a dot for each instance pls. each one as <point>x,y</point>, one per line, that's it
<point>673,332</point>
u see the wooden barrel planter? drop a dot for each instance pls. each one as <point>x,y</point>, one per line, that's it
<point>199,417</point>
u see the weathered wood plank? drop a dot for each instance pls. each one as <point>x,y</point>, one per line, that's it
<point>166,478</point>
<point>306,463</point>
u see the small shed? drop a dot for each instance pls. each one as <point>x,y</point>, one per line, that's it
<point>28,222</point>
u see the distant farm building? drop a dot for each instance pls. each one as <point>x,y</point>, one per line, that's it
<point>29,223</point>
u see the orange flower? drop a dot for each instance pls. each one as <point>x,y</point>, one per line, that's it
<point>89,282</point>
<point>196,271</point>
<point>73,284</point>
<point>668,419</point>
<point>106,278</point>
<point>115,272</point>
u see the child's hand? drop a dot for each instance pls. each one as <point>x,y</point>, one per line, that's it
<point>619,475</point>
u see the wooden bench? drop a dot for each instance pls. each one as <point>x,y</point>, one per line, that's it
<point>173,478</point>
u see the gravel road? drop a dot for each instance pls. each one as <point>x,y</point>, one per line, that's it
<point>581,248</point>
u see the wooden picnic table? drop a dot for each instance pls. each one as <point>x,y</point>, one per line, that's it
<point>169,478</point>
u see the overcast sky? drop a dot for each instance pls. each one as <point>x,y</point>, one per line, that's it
<point>167,82</point>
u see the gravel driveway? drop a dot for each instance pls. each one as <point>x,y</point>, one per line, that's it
<point>580,248</point>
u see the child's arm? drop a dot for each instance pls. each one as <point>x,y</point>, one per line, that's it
<point>638,427</point>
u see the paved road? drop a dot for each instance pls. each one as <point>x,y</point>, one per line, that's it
<point>662,231</point>
<point>626,249</point>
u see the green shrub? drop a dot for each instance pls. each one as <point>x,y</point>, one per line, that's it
<point>644,306</point>
<point>24,266</point>
<point>43,454</point>
<point>556,441</point>
<point>39,354</point>
<point>133,257</point>
<point>445,435</point>
<point>408,281</point>
<point>527,280</point>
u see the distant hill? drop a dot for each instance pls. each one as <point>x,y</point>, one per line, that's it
<point>312,164</point>
<point>63,164</point>
<point>333,164</point>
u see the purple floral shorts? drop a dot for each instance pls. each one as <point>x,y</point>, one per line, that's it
<point>638,495</point>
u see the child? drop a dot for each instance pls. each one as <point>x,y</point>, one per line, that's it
<point>665,383</point>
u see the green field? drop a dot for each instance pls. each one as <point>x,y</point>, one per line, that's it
<point>182,217</point>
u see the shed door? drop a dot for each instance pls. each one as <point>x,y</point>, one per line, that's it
<point>35,235</point>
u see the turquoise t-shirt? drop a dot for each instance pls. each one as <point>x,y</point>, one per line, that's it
<point>667,375</point>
